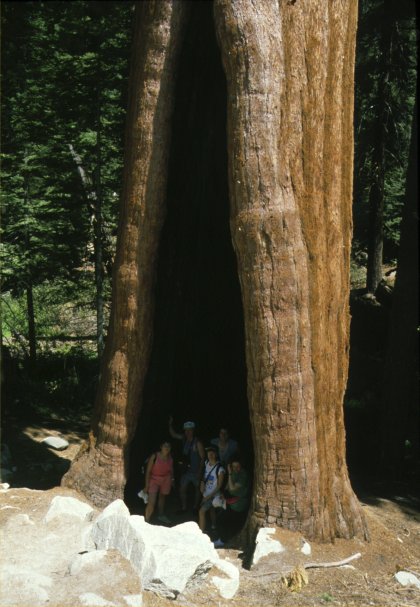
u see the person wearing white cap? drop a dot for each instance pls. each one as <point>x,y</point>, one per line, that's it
<point>193,461</point>
<point>211,486</point>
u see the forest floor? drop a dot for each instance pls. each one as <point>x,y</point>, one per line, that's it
<point>392,511</point>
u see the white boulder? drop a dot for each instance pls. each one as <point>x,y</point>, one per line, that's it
<point>306,548</point>
<point>32,586</point>
<point>405,578</point>
<point>83,560</point>
<point>227,586</point>
<point>68,507</point>
<point>265,544</point>
<point>166,559</point>
<point>55,442</point>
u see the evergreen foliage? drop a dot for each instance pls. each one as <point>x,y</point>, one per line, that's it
<point>386,67</point>
<point>63,104</point>
<point>64,69</point>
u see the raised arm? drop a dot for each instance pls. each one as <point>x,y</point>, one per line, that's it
<point>231,486</point>
<point>172,432</point>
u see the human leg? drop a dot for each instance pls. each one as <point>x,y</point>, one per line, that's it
<point>164,490</point>
<point>188,478</point>
<point>162,518</point>
<point>202,519</point>
<point>161,503</point>
<point>183,492</point>
<point>213,517</point>
<point>150,506</point>
<point>197,495</point>
<point>205,506</point>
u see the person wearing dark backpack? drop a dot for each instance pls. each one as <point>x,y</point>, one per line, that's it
<point>210,487</point>
<point>159,480</point>
<point>193,456</point>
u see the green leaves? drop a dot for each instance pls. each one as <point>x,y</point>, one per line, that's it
<point>385,72</point>
<point>65,69</point>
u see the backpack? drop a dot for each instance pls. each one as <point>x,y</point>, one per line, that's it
<point>185,460</point>
<point>146,461</point>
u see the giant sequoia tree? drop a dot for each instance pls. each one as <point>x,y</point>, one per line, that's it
<point>289,73</point>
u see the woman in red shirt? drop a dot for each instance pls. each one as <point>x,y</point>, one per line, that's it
<point>159,479</point>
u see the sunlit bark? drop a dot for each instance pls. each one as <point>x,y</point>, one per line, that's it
<point>289,72</point>
<point>100,470</point>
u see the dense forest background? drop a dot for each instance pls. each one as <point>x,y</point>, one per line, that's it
<point>65,69</point>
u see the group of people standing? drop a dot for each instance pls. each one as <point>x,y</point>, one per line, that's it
<point>219,481</point>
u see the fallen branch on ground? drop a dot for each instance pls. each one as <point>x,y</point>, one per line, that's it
<point>313,565</point>
<point>334,564</point>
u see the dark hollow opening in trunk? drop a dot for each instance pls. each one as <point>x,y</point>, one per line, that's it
<point>197,368</point>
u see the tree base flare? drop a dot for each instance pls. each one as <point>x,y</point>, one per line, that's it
<point>97,475</point>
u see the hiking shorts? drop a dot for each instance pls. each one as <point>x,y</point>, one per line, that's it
<point>206,505</point>
<point>160,483</point>
<point>190,477</point>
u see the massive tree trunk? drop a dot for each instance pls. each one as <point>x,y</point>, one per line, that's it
<point>289,73</point>
<point>289,69</point>
<point>100,468</point>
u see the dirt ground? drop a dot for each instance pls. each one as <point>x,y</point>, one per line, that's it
<point>393,514</point>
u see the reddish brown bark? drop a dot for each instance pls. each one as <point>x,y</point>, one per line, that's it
<point>289,72</point>
<point>100,469</point>
<point>289,69</point>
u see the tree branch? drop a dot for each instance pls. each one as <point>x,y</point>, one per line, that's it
<point>333,564</point>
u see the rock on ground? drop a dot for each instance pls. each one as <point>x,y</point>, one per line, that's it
<point>68,507</point>
<point>166,559</point>
<point>265,545</point>
<point>92,557</point>
<point>55,442</point>
<point>36,556</point>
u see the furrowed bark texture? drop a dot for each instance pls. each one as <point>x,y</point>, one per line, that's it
<point>289,69</point>
<point>100,469</point>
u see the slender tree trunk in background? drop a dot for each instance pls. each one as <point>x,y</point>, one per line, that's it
<point>93,195</point>
<point>31,323</point>
<point>100,468</point>
<point>377,192</point>
<point>289,70</point>
<point>401,418</point>
<point>30,312</point>
<point>97,227</point>
<point>376,216</point>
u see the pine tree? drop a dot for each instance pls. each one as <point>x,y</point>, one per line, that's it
<point>385,85</point>
<point>64,74</point>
